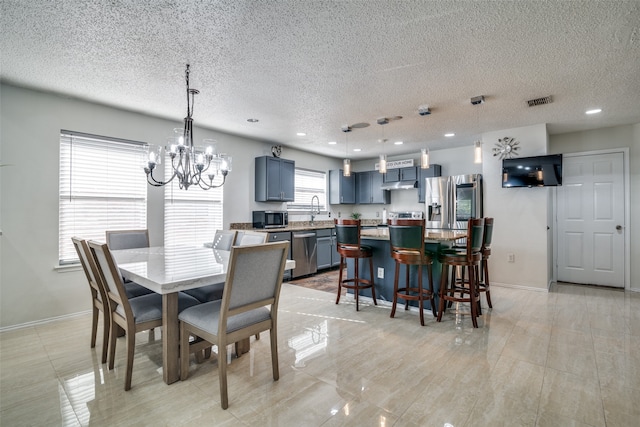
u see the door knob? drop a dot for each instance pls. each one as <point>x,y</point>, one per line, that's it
<point>618,227</point>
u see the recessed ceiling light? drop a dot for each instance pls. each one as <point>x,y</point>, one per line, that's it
<point>594,111</point>
<point>301,134</point>
<point>398,143</point>
<point>332,142</point>
<point>449,135</point>
<point>357,149</point>
<point>253,120</point>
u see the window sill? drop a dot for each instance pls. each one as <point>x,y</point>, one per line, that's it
<point>67,268</point>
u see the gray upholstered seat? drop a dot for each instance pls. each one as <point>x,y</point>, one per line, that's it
<point>133,315</point>
<point>254,279</point>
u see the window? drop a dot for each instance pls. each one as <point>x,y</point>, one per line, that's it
<point>191,217</point>
<point>308,184</point>
<point>102,187</point>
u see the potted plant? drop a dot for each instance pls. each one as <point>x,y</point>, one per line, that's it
<point>356,215</point>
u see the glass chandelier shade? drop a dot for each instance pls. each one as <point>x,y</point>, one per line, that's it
<point>190,165</point>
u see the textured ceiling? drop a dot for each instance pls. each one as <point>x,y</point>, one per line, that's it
<point>314,66</point>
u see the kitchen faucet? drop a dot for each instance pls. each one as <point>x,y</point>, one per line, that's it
<point>317,211</point>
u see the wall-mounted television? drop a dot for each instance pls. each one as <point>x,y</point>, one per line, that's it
<point>538,171</point>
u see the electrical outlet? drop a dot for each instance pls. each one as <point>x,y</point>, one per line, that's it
<point>380,273</point>
<point>511,257</point>
<point>377,214</point>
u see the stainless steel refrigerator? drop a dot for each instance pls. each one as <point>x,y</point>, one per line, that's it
<point>450,201</point>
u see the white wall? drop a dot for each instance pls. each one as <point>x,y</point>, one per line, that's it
<point>606,138</point>
<point>30,288</point>
<point>521,214</point>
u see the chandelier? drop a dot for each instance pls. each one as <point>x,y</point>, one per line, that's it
<point>191,165</point>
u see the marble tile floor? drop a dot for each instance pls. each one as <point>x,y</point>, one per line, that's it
<point>570,357</point>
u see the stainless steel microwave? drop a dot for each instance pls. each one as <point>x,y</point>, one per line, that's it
<point>270,219</point>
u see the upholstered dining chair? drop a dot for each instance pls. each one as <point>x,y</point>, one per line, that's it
<point>133,315</point>
<point>249,305</point>
<point>129,239</point>
<point>251,238</point>
<point>99,300</point>
<point>223,239</point>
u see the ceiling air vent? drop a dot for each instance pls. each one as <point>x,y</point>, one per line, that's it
<point>539,101</point>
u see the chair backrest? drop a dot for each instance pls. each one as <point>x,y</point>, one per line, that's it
<point>251,238</point>
<point>406,234</point>
<point>90,270</point>
<point>254,279</point>
<point>488,233</point>
<point>475,234</point>
<point>347,232</point>
<point>127,239</point>
<point>224,239</point>
<point>109,273</point>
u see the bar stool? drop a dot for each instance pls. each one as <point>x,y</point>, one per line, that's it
<point>406,237</point>
<point>483,277</point>
<point>348,242</point>
<point>469,258</point>
<point>483,282</point>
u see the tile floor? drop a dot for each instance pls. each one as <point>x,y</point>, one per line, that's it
<point>570,357</point>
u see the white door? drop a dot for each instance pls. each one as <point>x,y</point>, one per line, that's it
<point>591,220</point>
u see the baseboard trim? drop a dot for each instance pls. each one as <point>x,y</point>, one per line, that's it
<point>44,321</point>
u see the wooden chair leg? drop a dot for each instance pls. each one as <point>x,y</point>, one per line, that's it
<point>113,334</point>
<point>184,352</point>
<point>94,326</point>
<point>274,354</point>
<point>420,296</point>
<point>443,290</point>
<point>356,280</point>
<point>131,347</point>
<point>433,299</point>
<point>340,278</point>
<point>407,272</point>
<point>373,285</point>
<point>105,335</point>
<point>222,374</point>
<point>472,293</point>
<point>486,282</point>
<point>395,289</point>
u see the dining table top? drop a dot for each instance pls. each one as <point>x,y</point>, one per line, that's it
<point>171,269</point>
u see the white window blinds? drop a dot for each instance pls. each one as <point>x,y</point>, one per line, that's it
<point>308,184</point>
<point>102,187</point>
<point>191,217</point>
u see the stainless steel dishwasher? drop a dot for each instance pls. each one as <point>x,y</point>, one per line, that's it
<point>304,253</point>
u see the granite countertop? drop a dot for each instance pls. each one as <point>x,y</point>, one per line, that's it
<point>382,233</point>
<point>299,226</point>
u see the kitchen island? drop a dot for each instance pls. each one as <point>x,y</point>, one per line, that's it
<point>378,240</point>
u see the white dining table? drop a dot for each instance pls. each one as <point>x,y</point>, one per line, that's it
<point>167,271</point>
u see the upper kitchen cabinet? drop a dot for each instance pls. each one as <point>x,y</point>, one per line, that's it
<point>434,170</point>
<point>368,188</point>
<point>274,179</point>
<point>401,174</point>
<point>342,189</point>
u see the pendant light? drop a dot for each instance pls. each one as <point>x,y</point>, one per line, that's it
<point>382,166</point>
<point>477,146</point>
<point>424,110</point>
<point>477,152</point>
<point>346,163</point>
<point>424,158</point>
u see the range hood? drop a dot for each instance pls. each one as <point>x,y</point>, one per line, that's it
<point>399,185</point>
